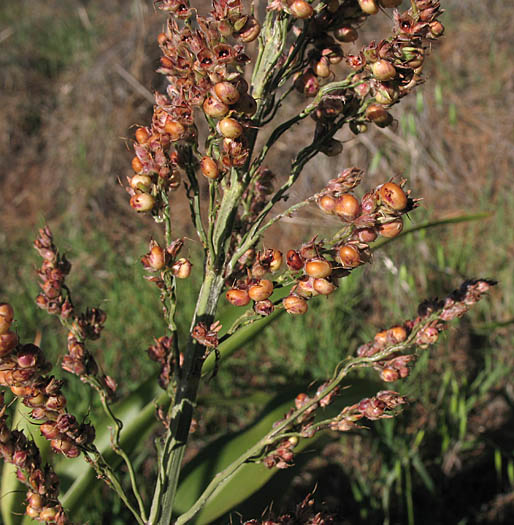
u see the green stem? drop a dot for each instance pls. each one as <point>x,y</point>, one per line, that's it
<point>282,429</point>
<point>117,448</point>
<point>104,470</point>
<point>182,411</point>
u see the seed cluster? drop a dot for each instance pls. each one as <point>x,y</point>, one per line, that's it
<point>420,332</point>
<point>316,268</point>
<point>427,330</point>
<point>383,405</point>
<point>166,262</point>
<point>304,513</point>
<point>56,299</point>
<point>384,72</point>
<point>203,70</point>
<point>43,503</point>
<point>22,369</point>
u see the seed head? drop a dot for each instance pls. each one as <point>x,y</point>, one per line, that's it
<point>227,93</point>
<point>349,256</point>
<point>260,291</point>
<point>347,207</point>
<point>182,268</point>
<point>393,195</point>
<point>391,229</point>
<point>237,297</point>
<point>295,305</point>
<point>209,168</point>
<point>318,268</point>
<point>142,202</point>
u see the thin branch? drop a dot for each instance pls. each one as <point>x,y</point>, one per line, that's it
<point>280,430</point>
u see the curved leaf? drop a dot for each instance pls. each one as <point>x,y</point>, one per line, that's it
<point>251,477</point>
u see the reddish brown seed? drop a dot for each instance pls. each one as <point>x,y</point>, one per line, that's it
<point>182,268</point>
<point>301,9</point>
<point>142,135</point>
<point>6,312</point>
<point>391,229</point>
<point>142,202</point>
<point>347,207</point>
<point>318,268</point>
<point>323,286</point>
<point>308,251</point>
<point>250,30</point>
<point>346,34</point>
<point>301,399</point>
<point>215,108</point>
<point>156,258</point>
<point>276,261</point>
<point>209,168</point>
<point>137,165</point>
<point>36,401</point>
<point>140,182</point>
<point>307,83</point>
<point>398,334</point>
<point>230,128</point>
<point>331,147</point>
<point>389,374</point>
<point>383,70</point>
<point>237,297</point>
<point>7,342</point>
<point>327,203</point>
<point>294,260</point>
<point>32,512</point>
<point>227,92</point>
<point>261,291</point>
<point>175,129</point>
<point>21,391</point>
<point>48,514</point>
<point>166,63</point>
<point>366,235</point>
<point>349,256</point>
<point>264,308</point>
<point>246,104</point>
<point>295,305</point>
<point>381,338</point>
<point>4,326</point>
<point>305,287</point>
<point>370,7</point>
<point>436,28</point>
<point>378,115</point>
<point>322,68</point>
<point>392,195</point>
<point>35,500</point>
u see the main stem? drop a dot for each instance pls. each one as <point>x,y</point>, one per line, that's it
<point>216,245</point>
<point>182,411</point>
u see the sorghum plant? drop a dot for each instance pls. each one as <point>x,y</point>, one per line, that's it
<point>234,69</point>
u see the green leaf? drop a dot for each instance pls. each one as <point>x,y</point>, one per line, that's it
<point>251,477</point>
<point>137,412</point>
<point>431,224</point>
<point>423,473</point>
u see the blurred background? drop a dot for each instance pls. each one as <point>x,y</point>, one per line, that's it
<point>75,77</point>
